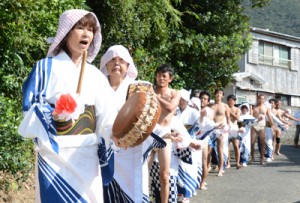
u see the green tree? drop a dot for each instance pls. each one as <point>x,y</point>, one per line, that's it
<point>202,39</point>
<point>208,45</point>
<point>279,16</point>
<point>141,26</point>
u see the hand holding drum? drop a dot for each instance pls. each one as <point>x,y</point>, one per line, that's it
<point>138,116</point>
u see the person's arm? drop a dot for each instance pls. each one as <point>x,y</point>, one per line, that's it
<point>251,109</point>
<point>281,119</point>
<point>170,106</point>
<point>290,117</point>
<point>236,115</point>
<point>227,114</point>
<point>270,118</point>
<point>202,114</point>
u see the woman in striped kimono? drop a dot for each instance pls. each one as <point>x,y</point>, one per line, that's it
<point>67,120</point>
<point>130,171</point>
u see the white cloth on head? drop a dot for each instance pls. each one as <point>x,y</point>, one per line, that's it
<point>246,105</point>
<point>67,21</point>
<point>122,52</point>
<point>185,94</point>
<point>196,101</point>
<point>188,116</point>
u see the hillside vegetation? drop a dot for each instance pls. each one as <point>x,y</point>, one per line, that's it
<point>279,16</point>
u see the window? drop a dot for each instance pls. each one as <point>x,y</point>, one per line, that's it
<point>274,54</point>
<point>241,99</point>
<point>285,99</point>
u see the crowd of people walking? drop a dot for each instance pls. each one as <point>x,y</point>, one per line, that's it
<point>83,155</point>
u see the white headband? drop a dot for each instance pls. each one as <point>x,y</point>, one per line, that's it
<point>185,94</point>
<point>122,52</point>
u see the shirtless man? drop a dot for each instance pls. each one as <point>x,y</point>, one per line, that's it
<point>260,111</point>
<point>169,100</point>
<point>281,113</point>
<point>206,115</point>
<point>277,131</point>
<point>233,132</point>
<point>221,116</point>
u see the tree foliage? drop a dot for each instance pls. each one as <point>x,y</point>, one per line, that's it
<point>141,26</point>
<point>210,41</point>
<point>279,16</point>
<point>202,39</point>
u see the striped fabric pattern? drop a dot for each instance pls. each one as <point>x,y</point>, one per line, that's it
<point>36,84</point>
<point>106,161</point>
<point>53,188</point>
<point>85,124</point>
<point>34,93</point>
<point>114,194</point>
<point>189,183</point>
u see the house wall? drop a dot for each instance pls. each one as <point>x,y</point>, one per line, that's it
<point>288,135</point>
<point>279,80</point>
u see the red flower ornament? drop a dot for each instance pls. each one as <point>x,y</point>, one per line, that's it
<point>66,107</point>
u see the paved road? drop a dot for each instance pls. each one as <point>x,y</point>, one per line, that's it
<point>277,182</point>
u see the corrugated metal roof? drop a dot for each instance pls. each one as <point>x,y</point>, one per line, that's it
<point>275,34</point>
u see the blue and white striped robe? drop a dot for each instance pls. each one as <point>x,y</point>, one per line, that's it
<point>67,168</point>
<point>245,143</point>
<point>129,182</point>
<point>189,174</point>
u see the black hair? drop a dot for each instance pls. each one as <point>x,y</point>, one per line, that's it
<point>205,93</point>
<point>260,95</point>
<point>90,20</point>
<point>272,100</point>
<point>231,96</point>
<point>164,68</point>
<point>244,106</point>
<point>195,92</point>
<point>218,90</point>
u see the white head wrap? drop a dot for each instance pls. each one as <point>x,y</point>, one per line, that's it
<point>196,101</point>
<point>67,21</point>
<point>122,52</point>
<point>185,94</point>
<point>246,105</point>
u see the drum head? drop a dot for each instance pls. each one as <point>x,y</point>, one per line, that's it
<point>136,119</point>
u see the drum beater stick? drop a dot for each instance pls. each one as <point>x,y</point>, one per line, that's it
<point>83,62</point>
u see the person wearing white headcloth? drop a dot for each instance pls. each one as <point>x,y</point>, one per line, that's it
<point>195,103</point>
<point>245,121</point>
<point>188,173</point>
<point>130,176</point>
<point>67,127</point>
<point>184,112</point>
